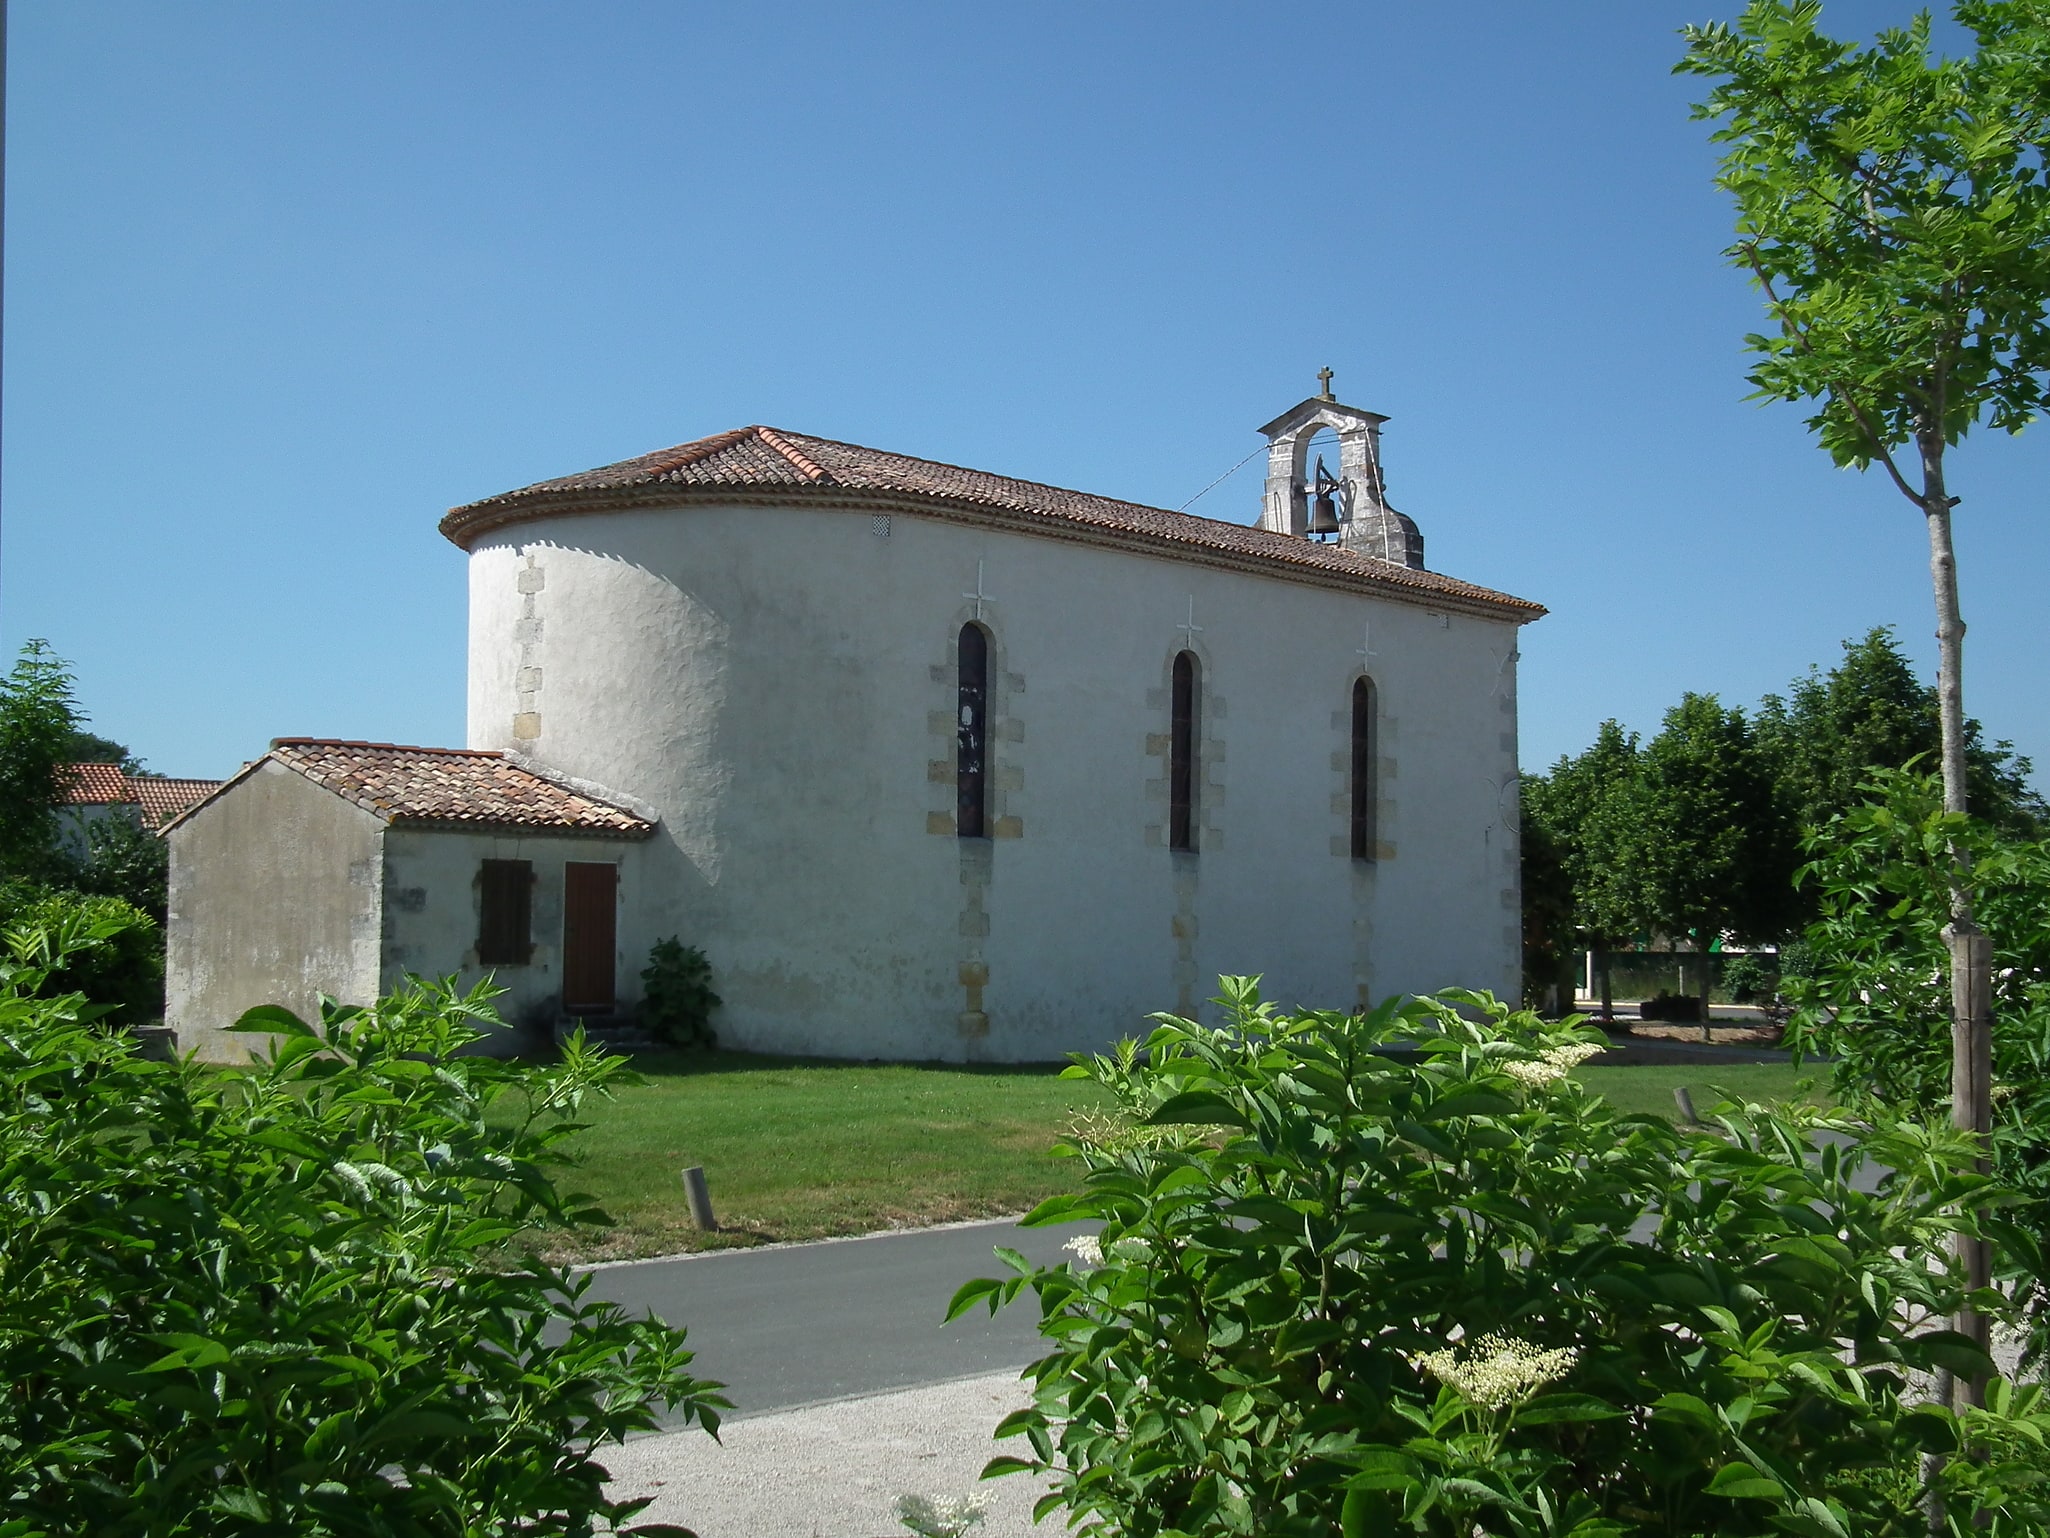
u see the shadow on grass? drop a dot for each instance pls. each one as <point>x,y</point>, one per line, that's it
<point>663,1064</point>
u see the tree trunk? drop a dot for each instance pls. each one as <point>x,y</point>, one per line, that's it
<point>1971,951</point>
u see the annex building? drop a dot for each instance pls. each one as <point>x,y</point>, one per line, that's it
<point>932,763</point>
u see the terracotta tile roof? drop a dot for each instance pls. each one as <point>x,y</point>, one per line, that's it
<point>92,784</point>
<point>754,461</point>
<point>161,800</point>
<point>451,788</point>
<point>158,800</point>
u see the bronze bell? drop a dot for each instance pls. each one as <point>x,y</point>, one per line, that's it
<point>1324,513</point>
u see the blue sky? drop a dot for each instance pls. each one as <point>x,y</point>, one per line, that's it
<point>286,281</point>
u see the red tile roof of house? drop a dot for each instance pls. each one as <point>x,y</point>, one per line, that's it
<point>92,784</point>
<point>158,800</point>
<point>766,464</point>
<point>449,788</point>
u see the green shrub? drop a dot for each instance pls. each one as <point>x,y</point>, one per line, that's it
<point>125,860</point>
<point>1873,990</point>
<point>280,1301</point>
<point>676,996</point>
<point>114,954</point>
<point>1402,1271</point>
<point>1750,979</point>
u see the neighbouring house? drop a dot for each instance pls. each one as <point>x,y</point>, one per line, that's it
<point>90,793</point>
<point>932,763</point>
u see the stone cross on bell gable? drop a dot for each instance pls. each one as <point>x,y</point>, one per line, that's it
<point>1368,526</point>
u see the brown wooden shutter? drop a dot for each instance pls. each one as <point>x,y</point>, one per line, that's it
<point>505,913</point>
<point>590,934</point>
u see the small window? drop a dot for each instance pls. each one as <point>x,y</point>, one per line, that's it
<point>1181,771</point>
<point>971,777</point>
<point>1363,769</point>
<point>505,908</point>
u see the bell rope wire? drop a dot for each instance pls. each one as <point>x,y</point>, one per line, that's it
<point>1234,470</point>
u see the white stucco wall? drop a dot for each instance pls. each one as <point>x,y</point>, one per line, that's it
<point>432,909</point>
<point>274,899</point>
<point>780,684</point>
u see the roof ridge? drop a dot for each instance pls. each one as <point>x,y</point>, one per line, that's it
<point>389,747</point>
<point>664,461</point>
<point>998,475</point>
<point>808,467</point>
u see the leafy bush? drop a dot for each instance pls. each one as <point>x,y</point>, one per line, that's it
<point>1750,979</point>
<point>1401,1272</point>
<point>676,995</point>
<point>125,860</point>
<point>1877,993</point>
<point>280,1301</point>
<point>114,953</point>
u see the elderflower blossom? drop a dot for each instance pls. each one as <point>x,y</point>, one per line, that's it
<point>1085,1248</point>
<point>1499,1371</point>
<point>1130,1248</point>
<point>941,1516</point>
<point>1553,1065</point>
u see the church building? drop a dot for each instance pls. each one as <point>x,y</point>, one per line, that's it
<point>931,763</point>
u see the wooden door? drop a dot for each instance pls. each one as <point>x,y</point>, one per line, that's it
<point>590,907</point>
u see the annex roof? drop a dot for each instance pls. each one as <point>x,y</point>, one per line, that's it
<point>767,464</point>
<point>158,800</point>
<point>451,788</point>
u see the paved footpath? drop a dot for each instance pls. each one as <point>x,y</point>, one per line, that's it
<point>848,1390</point>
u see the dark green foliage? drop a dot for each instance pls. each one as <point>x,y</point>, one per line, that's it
<point>676,996</point>
<point>1644,839</point>
<point>1877,990</point>
<point>1293,1215</point>
<point>125,860</point>
<point>1548,933</point>
<point>84,747</point>
<point>1750,979</point>
<point>1830,732</point>
<point>279,1301</point>
<point>1709,851</point>
<point>38,716</point>
<point>118,961</point>
<point>1581,808</point>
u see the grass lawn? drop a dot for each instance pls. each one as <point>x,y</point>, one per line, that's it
<point>805,1150</point>
<point>1648,1089</point>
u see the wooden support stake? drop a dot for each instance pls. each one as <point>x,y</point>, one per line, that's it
<point>700,1196</point>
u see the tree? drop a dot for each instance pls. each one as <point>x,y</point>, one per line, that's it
<point>38,716</point>
<point>91,748</point>
<point>1895,212</point>
<point>1831,730</point>
<point>1709,850</point>
<point>1579,815</point>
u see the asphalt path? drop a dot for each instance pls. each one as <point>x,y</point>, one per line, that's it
<point>802,1324</point>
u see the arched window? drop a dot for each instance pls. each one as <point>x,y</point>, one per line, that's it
<point>971,779</point>
<point>1181,766</point>
<point>1363,769</point>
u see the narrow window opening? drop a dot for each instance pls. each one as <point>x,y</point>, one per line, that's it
<point>971,778</point>
<point>505,913</point>
<point>1363,769</point>
<point>1181,774</point>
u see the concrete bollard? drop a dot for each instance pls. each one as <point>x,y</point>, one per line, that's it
<point>1685,1101</point>
<point>700,1196</point>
